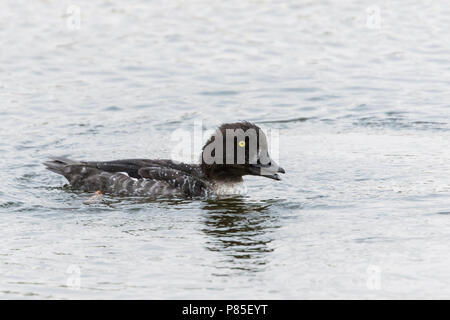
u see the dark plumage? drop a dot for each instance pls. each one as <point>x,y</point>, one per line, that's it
<point>234,150</point>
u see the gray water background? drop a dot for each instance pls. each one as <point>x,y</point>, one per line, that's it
<point>361,105</point>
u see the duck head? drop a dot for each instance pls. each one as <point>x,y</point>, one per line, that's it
<point>235,150</point>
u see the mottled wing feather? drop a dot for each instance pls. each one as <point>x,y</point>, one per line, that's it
<point>92,179</point>
<point>190,185</point>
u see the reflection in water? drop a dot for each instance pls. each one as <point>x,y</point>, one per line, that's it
<point>241,230</point>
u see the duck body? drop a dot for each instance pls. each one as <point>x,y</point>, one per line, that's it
<point>222,165</point>
<point>133,177</point>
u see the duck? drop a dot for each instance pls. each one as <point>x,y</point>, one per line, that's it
<point>234,150</point>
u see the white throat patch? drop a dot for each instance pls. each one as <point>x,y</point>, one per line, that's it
<point>227,188</point>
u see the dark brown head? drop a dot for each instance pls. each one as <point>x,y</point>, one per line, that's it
<point>235,150</point>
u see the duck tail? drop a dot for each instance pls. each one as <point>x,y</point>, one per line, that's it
<point>57,164</point>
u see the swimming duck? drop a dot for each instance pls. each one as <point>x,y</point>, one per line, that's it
<point>233,151</point>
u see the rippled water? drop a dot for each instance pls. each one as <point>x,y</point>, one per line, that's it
<point>362,110</point>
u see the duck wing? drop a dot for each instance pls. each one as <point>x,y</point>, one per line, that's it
<point>132,166</point>
<point>130,177</point>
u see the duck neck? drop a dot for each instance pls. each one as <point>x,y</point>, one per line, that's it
<point>220,175</point>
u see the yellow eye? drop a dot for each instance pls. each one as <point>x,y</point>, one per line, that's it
<point>242,143</point>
